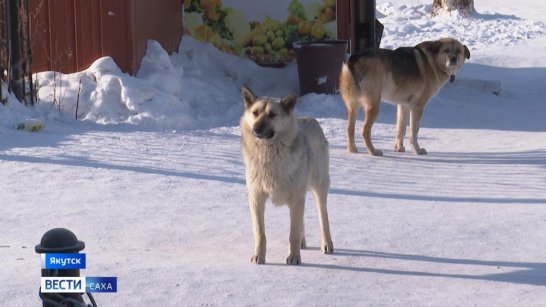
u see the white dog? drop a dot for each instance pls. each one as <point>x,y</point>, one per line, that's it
<point>283,158</point>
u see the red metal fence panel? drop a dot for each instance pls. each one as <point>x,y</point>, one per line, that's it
<point>158,20</point>
<point>88,42</point>
<point>115,32</point>
<point>68,35</point>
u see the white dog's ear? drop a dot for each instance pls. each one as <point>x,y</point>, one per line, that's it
<point>289,102</point>
<point>248,97</point>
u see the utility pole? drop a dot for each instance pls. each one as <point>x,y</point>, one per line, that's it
<point>367,29</point>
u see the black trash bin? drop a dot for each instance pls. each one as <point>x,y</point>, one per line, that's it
<point>319,64</point>
<point>63,241</point>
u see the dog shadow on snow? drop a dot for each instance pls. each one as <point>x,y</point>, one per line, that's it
<point>530,273</point>
<point>446,160</point>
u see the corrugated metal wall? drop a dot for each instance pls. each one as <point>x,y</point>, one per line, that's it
<point>68,35</point>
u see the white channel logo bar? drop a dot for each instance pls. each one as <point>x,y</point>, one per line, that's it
<point>62,284</point>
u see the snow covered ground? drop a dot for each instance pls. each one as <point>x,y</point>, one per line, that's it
<point>151,178</point>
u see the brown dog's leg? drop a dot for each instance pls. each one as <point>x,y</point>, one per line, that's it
<point>401,123</point>
<point>351,121</point>
<point>371,111</point>
<point>415,118</point>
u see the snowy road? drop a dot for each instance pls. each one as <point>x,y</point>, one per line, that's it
<point>167,212</point>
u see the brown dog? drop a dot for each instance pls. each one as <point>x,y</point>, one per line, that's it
<point>407,77</point>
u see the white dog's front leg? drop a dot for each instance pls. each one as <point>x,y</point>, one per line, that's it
<point>401,123</point>
<point>296,231</point>
<point>415,120</point>
<point>321,195</point>
<point>257,210</point>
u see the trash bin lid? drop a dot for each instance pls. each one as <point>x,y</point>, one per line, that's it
<point>59,240</point>
<point>319,43</point>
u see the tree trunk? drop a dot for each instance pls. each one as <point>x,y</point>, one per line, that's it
<point>464,6</point>
<point>15,60</point>
<point>15,50</point>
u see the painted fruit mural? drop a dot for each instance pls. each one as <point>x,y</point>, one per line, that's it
<point>262,30</point>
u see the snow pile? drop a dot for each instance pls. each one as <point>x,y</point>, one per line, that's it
<point>196,88</point>
<point>109,96</point>
<point>12,112</point>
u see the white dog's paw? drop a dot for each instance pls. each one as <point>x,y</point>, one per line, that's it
<point>293,259</point>
<point>327,248</point>
<point>303,243</point>
<point>257,259</point>
<point>399,148</point>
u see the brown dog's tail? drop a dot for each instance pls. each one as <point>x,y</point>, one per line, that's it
<point>347,84</point>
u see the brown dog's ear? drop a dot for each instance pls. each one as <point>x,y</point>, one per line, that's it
<point>466,52</point>
<point>431,46</point>
<point>289,102</point>
<point>434,47</point>
<point>248,97</point>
